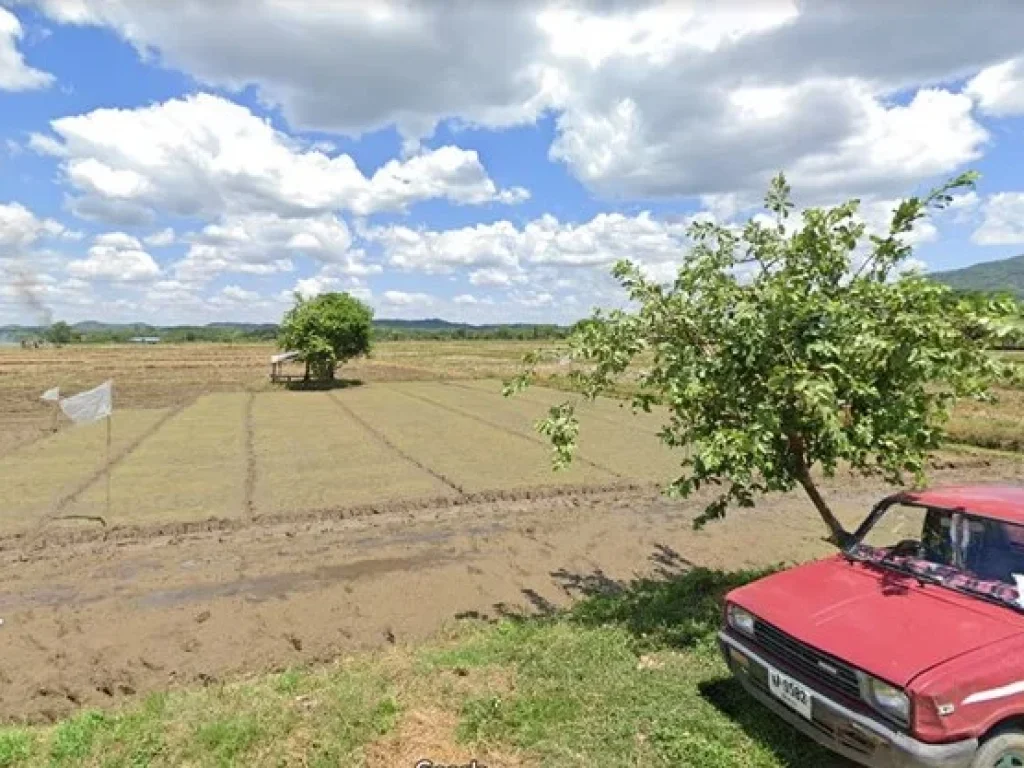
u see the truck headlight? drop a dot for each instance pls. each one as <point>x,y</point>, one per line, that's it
<point>888,699</point>
<point>740,619</point>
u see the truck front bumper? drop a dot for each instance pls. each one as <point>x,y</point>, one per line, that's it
<point>840,729</point>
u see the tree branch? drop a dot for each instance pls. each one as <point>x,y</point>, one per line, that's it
<point>838,535</point>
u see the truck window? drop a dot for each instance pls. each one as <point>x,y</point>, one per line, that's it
<point>981,548</point>
<point>911,531</point>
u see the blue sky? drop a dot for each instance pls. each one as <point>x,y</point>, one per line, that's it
<point>184,163</point>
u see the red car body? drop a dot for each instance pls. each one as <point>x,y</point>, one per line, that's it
<point>832,625</point>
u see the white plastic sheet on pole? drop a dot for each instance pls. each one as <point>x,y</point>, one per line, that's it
<point>91,406</point>
<point>51,395</point>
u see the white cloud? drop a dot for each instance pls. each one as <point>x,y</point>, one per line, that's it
<point>877,215</point>
<point>309,287</point>
<point>833,137</point>
<point>1003,220</point>
<point>20,228</point>
<point>967,201</point>
<point>964,207</point>
<point>495,277</point>
<point>15,74</point>
<point>46,145</point>
<point>535,299</point>
<point>160,239</point>
<point>999,90</point>
<point>657,98</point>
<point>115,256</point>
<point>466,298</point>
<point>498,251</point>
<point>267,244</point>
<point>403,299</point>
<point>238,294</point>
<point>203,155</point>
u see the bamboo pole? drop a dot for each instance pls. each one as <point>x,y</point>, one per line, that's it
<point>110,418</point>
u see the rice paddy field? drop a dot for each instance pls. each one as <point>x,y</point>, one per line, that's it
<point>238,456</point>
<point>199,433</point>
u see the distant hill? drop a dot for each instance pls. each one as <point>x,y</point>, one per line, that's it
<point>98,332</point>
<point>1003,275</point>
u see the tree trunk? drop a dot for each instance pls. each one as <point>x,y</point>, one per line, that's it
<point>837,534</point>
<point>305,377</point>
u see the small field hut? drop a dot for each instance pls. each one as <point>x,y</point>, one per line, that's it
<point>282,367</point>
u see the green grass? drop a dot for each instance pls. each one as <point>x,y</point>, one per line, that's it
<point>630,676</point>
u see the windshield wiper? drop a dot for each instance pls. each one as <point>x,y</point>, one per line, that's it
<point>888,563</point>
<point>923,578</point>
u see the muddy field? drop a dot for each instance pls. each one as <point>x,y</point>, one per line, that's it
<point>253,529</point>
<point>95,622</point>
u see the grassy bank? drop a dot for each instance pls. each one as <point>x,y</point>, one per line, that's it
<point>629,677</point>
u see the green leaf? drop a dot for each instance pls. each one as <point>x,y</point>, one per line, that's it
<point>782,349</point>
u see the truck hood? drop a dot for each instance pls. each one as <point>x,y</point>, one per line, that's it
<point>878,620</point>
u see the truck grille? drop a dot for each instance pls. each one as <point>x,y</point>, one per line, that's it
<point>810,663</point>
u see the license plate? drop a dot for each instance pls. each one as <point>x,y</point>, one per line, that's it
<point>792,693</point>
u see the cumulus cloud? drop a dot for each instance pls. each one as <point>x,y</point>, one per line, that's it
<point>20,228</point>
<point>403,299</point>
<point>999,90</point>
<point>237,294</point>
<point>499,252</point>
<point>877,215</point>
<point>203,155</point>
<point>1003,220</point>
<point>115,256</point>
<point>267,244</point>
<point>160,239</point>
<point>495,277</point>
<point>755,86</point>
<point>15,73</point>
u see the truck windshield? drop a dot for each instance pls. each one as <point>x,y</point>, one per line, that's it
<point>970,554</point>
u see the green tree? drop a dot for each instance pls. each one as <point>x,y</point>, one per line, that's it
<point>60,333</point>
<point>784,347</point>
<point>328,329</point>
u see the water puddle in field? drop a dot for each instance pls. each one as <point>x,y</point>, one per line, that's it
<point>279,585</point>
<point>430,537</point>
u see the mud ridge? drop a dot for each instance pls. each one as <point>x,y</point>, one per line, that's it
<point>488,423</point>
<point>382,438</point>
<point>129,533</point>
<point>248,503</point>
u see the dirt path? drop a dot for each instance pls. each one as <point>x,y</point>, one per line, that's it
<point>94,622</point>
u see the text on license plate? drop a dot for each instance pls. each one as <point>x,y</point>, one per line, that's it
<point>792,693</point>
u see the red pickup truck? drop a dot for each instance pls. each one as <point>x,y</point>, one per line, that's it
<point>907,647</point>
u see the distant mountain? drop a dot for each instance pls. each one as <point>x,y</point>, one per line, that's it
<point>432,324</point>
<point>1003,275</point>
<point>437,324</point>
